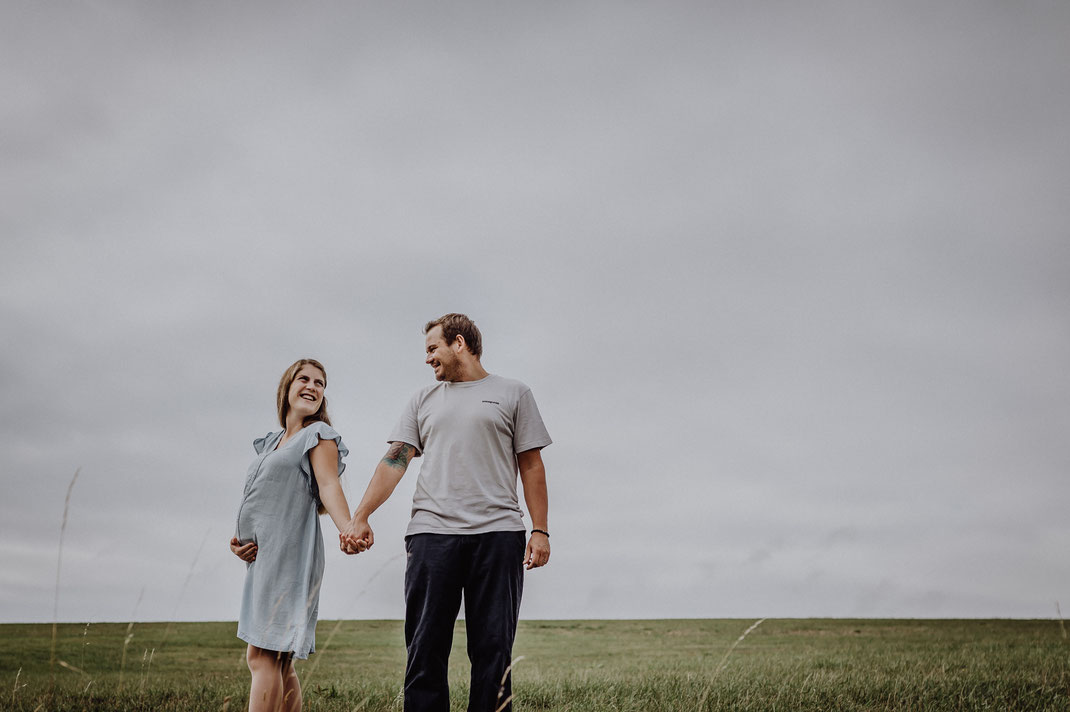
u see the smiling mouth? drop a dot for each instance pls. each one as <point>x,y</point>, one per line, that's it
<point>308,397</point>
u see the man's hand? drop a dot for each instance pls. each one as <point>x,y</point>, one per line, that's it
<point>351,546</point>
<point>245,552</point>
<point>538,552</point>
<point>355,537</point>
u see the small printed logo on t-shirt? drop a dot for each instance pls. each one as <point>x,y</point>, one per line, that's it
<point>494,402</point>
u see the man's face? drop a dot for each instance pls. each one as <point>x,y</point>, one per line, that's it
<point>441,357</point>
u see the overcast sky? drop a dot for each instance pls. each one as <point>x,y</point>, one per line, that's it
<point>790,283</point>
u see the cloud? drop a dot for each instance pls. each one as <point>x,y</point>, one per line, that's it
<point>789,286</point>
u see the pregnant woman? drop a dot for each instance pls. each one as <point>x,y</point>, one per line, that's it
<point>293,479</point>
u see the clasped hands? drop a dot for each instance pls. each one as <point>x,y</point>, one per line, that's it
<point>355,537</point>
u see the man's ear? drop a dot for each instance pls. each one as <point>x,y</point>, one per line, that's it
<point>460,340</point>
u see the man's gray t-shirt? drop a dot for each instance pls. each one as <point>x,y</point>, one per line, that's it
<point>469,433</point>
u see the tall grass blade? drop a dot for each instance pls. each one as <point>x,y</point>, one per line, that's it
<point>85,643</point>
<point>185,584</point>
<point>65,664</point>
<point>501,685</point>
<point>340,621</point>
<point>16,687</point>
<point>55,605</point>
<point>129,637</point>
<point>724,660</point>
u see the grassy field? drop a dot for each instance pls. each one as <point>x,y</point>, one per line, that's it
<point>825,664</point>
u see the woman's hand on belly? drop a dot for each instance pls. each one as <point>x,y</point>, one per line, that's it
<point>245,552</point>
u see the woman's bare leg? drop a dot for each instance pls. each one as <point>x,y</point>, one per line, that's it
<point>266,667</point>
<point>291,689</point>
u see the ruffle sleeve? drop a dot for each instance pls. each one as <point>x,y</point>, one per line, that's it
<point>260,443</point>
<point>311,438</point>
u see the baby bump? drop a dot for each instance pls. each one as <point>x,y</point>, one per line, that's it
<point>266,514</point>
<point>255,517</point>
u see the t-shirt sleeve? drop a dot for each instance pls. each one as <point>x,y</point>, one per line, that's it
<point>530,432</point>
<point>312,436</point>
<point>407,429</point>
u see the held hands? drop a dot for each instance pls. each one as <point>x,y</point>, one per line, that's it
<point>245,552</point>
<point>355,537</point>
<point>538,552</point>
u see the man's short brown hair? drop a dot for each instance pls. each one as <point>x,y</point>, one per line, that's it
<point>454,325</point>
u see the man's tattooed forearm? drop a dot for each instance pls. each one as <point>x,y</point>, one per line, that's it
<point>399,455</point>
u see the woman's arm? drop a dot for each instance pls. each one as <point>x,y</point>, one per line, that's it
<point>358,536</point>
<point>324,460</point>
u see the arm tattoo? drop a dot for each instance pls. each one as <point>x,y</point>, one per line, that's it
<point>398,455</point>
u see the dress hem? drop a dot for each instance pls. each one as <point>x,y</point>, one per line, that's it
<point>258,642</point>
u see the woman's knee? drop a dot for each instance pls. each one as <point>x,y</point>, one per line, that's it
<point>259,660</point>
<point>254,658</point>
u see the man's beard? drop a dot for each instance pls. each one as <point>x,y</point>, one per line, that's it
<point>449,371</point>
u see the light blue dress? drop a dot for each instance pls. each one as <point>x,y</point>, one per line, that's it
<point>280,602</point>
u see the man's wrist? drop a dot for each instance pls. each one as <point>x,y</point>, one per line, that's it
<point>537,530</point>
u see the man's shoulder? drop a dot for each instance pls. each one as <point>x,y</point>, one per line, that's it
<point>510,389</point>
<point>496,381</point>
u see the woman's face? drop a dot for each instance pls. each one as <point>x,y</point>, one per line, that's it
<point>306,391</point>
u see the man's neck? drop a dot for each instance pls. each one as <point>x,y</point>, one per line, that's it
<point>472,371</point>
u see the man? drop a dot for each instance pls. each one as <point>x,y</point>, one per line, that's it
<point>475,431</point>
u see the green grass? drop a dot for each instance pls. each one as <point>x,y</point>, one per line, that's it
<point>648,666</point>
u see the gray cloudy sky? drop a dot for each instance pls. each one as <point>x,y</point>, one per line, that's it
<point>790,282</point>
